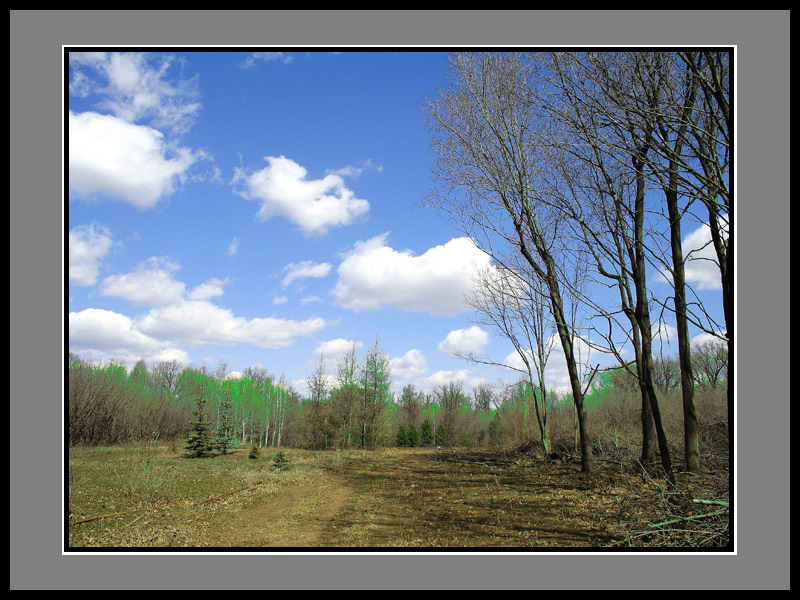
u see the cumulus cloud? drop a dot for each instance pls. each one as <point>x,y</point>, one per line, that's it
<point>556,374</point>
<point>309,300</point>
<point>198,322</point>
<point>702,267</point>
<point>100,335</point>
<point>134,86</point>
<point>303,270</point>
<point>707,338</point>
<point>280,300</point>
<point>373,274</point>
<point>87,245</point>
<point>315,205</point>
<point>464,341</point>
<point>150,284</point>
<point>210,289</point>
<point>170,354</point>
<point>109,157</point>
<point>440,378</point>
<point>411,364</point>
<point>664,333</point>
<point>336,348</point>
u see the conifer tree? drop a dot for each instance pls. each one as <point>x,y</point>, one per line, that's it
<point>495,431</point>
<point>442,436</point>
<point>427,433</point>
<point>198,444</point>
<point>402,437</point>
<point>412,436</point>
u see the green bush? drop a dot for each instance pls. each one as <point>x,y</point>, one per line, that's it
<point>402,437</point>
<point>281,462</point>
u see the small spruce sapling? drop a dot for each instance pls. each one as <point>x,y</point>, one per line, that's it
<point>280,462</point>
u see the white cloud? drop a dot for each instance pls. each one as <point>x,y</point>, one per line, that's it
<point>135,86</point>
<point>234,375</point>
<point>464,341</point>
<point>255,57</point>
<point>664,333</point>
<point>116,159</point>
<point>373,275</point>
<point>411,364</point>
<point>175,354</point>
<point>198,322</point>
<point>280,300</point>
<point>315,205</point>
<point>234,247</point>
<point>87,245</point>
<point>303,270</point>
<point>309,299</point>
<point>356,171</point>
<point>101,335</point>
<point>151,284</point>
<point>704,338</point>
<point>336,348</point>
<point>702,267</point>
<point>440,378</point>
<point>210,289</point>
<point>556,374</point>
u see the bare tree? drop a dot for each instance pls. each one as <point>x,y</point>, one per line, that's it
<point>482,397</point>
<point>514,303</point>
<point>710,360</point>
<point>318,391</point>
<point>487,142</point>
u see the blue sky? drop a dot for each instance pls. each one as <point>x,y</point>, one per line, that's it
<point>261,208</point>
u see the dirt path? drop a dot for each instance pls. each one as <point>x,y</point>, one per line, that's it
<point>293,517</point>
<point>425,498</point>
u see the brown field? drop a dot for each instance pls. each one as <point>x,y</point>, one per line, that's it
<point>387,498</point>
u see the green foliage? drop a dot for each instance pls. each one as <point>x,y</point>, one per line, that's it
<point>402,437</point>
<point>427,433</point>
<point>463,440</point>
<point>198,442</point>
<point>495,431</point>
<point>281,462</point>
<point>412,436</point>
<point>254,453</point>
<point>442,436</point>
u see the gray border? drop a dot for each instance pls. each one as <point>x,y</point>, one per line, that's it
<point>36,317</point>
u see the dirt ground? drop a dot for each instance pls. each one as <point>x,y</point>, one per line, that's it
<point>411,498</point>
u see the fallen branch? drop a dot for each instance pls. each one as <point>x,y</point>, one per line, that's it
<point>693,517</point>
<point>252,487</point>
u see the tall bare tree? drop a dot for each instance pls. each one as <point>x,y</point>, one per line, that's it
<point>488,146</point>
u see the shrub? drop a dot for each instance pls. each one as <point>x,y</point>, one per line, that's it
<point>427,433</point>
<point>280,462</point>
<point>412,436</point>
<point>253,452</point>
<point>402,437</point>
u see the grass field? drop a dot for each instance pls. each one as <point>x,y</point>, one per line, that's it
<point>388,498</point>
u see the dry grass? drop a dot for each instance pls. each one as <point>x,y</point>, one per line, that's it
<point>511,497</point>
